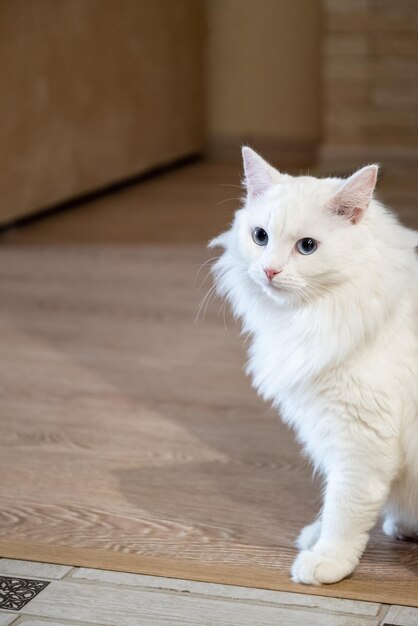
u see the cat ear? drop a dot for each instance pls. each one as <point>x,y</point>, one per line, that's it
<point>259,175</point>
<point>353,198</point>
<point>220,241</point>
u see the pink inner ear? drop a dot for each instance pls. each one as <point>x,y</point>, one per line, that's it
<point>353,213</point>
<point>353,198</point>
<point>258,173</point>
<point>356,215</point>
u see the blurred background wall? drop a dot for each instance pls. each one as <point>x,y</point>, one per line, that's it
<point>264,81</point>
<point>93,92</point>
<point>370,80</point>
<point>97,91</point>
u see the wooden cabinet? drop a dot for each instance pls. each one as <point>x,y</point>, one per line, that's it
<point>93,92</point>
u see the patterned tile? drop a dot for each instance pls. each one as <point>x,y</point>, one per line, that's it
<point>15,593</point>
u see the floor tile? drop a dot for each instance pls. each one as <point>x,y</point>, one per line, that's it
<point>14,567</point>
<point>7,618</point>
<point>352,607</point>
<point>402,616</point>
<point>35,621</point>
<point>115,605</point>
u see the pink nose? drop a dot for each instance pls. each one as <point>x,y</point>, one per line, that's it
<point>271,273</point>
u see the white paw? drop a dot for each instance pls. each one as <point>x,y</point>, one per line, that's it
<point>399,531</point>
<point>311,568</point>
<point>309,535</point>
<point>390,528</point>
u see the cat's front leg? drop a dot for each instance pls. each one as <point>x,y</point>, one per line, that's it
<point>309,535</point>
<point>354,497</point>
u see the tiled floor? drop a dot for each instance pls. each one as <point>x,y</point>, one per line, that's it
<point>85,597</point>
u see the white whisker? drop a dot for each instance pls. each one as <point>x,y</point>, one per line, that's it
<point>202,265</point>
<point>228,200</point>
<point>205,301</point>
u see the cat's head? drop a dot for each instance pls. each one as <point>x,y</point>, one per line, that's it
<point>296,238</point>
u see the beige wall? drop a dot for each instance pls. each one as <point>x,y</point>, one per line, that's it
<point>263,69</point>
<point>370,80</point>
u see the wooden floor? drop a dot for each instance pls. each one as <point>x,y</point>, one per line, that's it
<point>184,205</point>
<point>130,438</point>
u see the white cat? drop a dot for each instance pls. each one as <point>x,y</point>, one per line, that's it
<point>324,279</point>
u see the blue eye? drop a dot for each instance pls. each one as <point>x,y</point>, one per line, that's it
<point>307,245</point>
<point>260,237</point>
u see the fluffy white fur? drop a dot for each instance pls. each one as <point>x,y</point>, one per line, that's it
<point>334,347</point>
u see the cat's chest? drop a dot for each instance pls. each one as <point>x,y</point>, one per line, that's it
<point>284,371</point>
<point>280,359</point>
